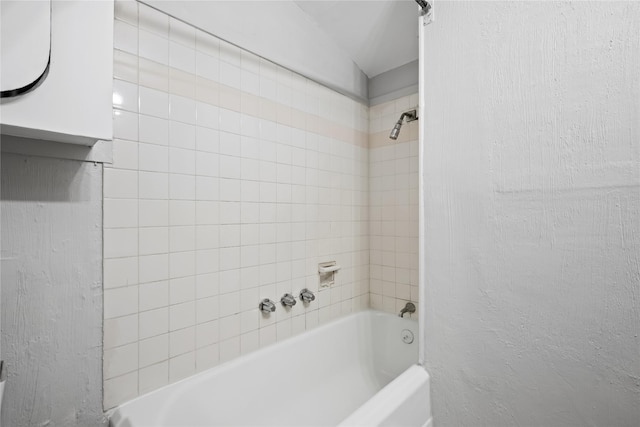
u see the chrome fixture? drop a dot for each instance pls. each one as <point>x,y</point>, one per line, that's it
<point>306,295</point>
<point>411,116</point>
<point>408,308</point>
<point>267,306</point>
<point>288,300</point>
<point>425,7</point>
<point>407,336</point>
<point>396,130</point>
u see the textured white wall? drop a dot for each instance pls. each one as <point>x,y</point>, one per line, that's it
<point>51,291</point>
<point>532,171</point>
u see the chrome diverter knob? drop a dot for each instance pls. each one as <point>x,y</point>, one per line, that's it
<point>267,306</point>
<point>306,295</point>
<point>288,300</point>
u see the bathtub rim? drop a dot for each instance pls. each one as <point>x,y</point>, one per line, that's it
<point>377,411</point>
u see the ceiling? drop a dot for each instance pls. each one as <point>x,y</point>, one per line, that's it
<point>379,35</point>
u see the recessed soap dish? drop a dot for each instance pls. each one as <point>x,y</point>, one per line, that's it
<point>327,272</point>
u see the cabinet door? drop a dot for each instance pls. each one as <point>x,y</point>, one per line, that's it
<point>25,44</point>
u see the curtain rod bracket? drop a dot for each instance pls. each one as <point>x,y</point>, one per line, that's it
<point>426,11</point>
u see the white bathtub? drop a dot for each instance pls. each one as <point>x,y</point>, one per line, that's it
<point>355,371</point>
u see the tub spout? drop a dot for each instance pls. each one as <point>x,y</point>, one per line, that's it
<point>408,308</point>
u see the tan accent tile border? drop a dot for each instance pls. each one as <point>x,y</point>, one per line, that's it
<point>153,75</point>
<point>125,66</point>
<point>172,80</point>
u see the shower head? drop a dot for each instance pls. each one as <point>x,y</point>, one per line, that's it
<point>410,115</point>
<point>396,130</point>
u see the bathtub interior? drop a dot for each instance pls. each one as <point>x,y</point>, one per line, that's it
<point>390,354</point>
<point>318,378</point>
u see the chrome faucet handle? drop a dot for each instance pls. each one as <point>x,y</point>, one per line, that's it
<point>306,295</point>
<point>288,300</point>
<point>267,306</point>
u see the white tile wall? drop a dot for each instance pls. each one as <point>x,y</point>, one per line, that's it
<point>232,179</point>
<point>393,208</point>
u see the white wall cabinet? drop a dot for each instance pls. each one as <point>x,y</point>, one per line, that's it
<point>25,27</point>
<point>73,102</point>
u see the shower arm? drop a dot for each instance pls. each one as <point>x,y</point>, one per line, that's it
<point>409,115</point>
